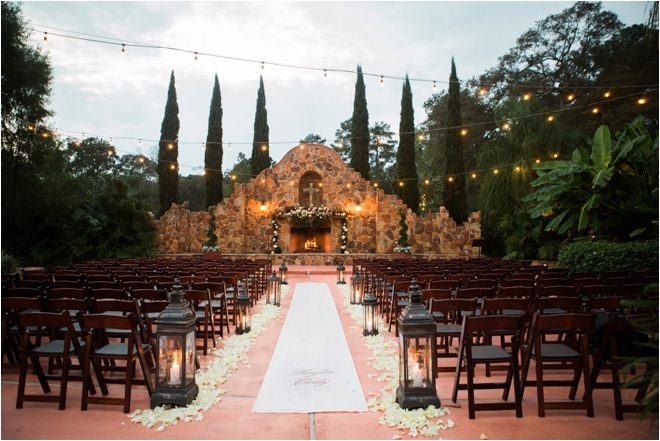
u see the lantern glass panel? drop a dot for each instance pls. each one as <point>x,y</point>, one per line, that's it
<point>244,318</point>
<point>418,367</point>
<point>170,358</point>
<point>190,357</point>
<point>370,319</point>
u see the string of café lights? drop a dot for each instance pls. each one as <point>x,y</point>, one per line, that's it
<point>503,124</point>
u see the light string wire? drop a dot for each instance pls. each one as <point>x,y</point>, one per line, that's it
<point>124,43</point>
<point>468,83</point>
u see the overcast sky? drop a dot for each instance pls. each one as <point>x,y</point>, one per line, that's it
<point>101,93</point>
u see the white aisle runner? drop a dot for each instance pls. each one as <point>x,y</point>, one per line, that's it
<point>312,369</point>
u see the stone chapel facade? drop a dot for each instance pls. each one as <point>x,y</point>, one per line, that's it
<point>317,174</point>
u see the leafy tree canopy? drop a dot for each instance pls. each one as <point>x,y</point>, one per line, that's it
<point>313,138</point>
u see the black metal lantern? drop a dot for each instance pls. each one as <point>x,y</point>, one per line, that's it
<point>369,305</point>
<point>417,355</point>
<point>340,273</point>
<point>357,288</point>
<point>273,293</point>
<point>283,273</point>
<point>176,354</point>
<point>243,311</point>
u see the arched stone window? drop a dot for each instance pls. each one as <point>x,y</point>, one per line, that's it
<point>310,191</point>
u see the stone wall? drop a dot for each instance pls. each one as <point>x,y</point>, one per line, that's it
<point>242,227</point>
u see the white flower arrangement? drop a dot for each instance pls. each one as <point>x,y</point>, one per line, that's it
<point>207,248</point>
<point>212,374</point>
<point>385,360</point>
<point>310,216</point>
<point>407,249</point>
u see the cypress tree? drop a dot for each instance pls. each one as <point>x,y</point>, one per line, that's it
<point>213,154</point>
<point>454,164</point>
<point>260,159</point>
<point>405,155</point>
<point>168,151</point>
<point>360,128</point>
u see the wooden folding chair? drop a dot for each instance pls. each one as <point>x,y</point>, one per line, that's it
<point>450,313</point>
<point>99,347</point>
<point>573,354</point>
<point>33,325</point>
<point>472,353</point>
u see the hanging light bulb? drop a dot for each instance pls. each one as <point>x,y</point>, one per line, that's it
<point>595,110</point>
<point>45,38</point>
<point>641,101</point>
<point>570,97</point>
<point>141,159</point>
<point>30,127</point>
<point>233,177</point>
<point>526,96</point>
<point>110,141</point>
<point>551,118</point>
<point>55,131</point>
<point>229,147</point>
<point>421,137</point>
<point>376,184</point>
<point>45,135</point>
<point>83,137</point>
<point>464,132</point>
<point>474,175</point>
<point>203,172</point>
<point>340,145</point>
<point>400,183</point>
<point>123,50</point>
<point>325,74</point>
<point>109,152</point>
<point>172,166</point>
<point>140,142</point>
<point>382,83</point>
<point>517,168</point>
<point>196,60</point>
<point>506,126</point>
<point>482,91</point>
<point>435,88</point>
<point>450,179</point>
<point>607,94</point>
<point>496,171</point>
<point>264,147</point>
<point>538,161</point>
<point>170,146</point>
<point>203,146</point>
<point>77,142</point>
<point>263,67</point>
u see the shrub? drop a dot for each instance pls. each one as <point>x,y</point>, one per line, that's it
<point>10,263</point>
<point>607,256</point>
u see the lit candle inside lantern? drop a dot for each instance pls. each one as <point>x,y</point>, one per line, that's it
<point>418,372</point>
<point>175,370</point>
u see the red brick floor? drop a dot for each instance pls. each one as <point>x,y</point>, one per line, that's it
<point>232,417</point>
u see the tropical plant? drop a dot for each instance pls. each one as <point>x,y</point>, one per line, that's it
<point>212,242</point>
<point>402,242</point>
<point>525,238</point>
<point>648,380</point>
<point>10,264</point>
<point>114,223</point>
<point>613,191</point>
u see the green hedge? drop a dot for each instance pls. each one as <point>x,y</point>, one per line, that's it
<point>607,256</point>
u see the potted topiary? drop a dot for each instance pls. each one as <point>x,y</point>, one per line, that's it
<point>403,250</point>
<point>211,249</point>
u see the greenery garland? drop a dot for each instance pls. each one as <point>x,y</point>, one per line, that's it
<point>276,246</point>
<point>212,243</point>
<point>344,237</point>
